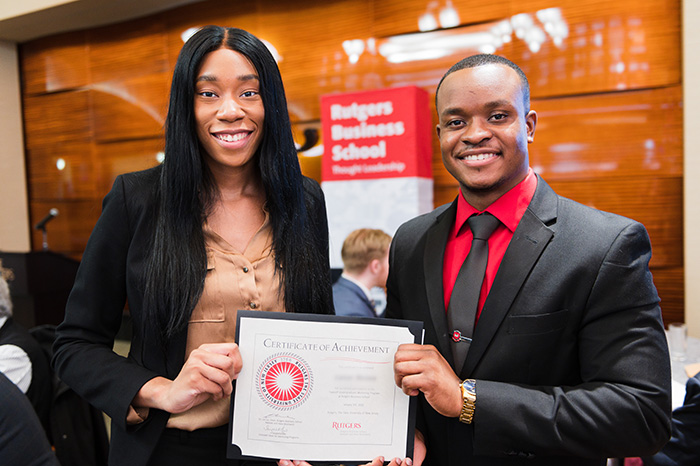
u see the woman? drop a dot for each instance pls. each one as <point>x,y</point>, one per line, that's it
<point>227,222</point>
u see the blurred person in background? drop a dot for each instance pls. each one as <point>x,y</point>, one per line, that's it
<point>365,254</point>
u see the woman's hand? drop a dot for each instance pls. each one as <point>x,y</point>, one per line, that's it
<point>207,373</point>
<point>379,461</point>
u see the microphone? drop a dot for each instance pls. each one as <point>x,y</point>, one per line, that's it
<point>42,223</point>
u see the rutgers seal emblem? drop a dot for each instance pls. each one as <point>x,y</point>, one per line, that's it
<point>284,381</point>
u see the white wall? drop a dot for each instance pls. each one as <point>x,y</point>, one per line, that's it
<point>14,214</point>
<point>691,154</point>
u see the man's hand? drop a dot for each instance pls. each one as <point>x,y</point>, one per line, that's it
<point>421,368</point>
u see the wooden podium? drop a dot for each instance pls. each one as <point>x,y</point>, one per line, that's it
<point>42,283</point>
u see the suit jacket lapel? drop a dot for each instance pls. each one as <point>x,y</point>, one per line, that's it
<point>353,288</point>
<point>435,242</point>
<point>529,241</point>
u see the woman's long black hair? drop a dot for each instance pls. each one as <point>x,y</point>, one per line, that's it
<point>176,268</point>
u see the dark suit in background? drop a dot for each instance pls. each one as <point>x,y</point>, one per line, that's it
<point>684,447</point>
<point>350,300</point>
<point>40,391</point>
<point>569,353</point>
<point>22,438</point>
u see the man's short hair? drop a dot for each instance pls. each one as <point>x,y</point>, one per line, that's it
<point>488,59</point>
<point>363,246</point>
<point>5,300</point>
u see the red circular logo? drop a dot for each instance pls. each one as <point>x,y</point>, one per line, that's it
<point>284,381</point>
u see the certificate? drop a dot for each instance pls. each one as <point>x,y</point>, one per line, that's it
<point>320,388</point>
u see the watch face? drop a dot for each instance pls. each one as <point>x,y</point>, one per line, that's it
<point>469,385</point>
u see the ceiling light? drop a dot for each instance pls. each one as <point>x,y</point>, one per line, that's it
<point>449,17</point>
<point>427,22</point>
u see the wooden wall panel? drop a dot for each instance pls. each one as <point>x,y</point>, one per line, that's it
<point>129,49</point>
<point>612,46</point>
<point>670,284</point>
<point>401,16</point>
<point>130,108</point>
<point>55,63</point>
<point>57,119</point>
<point>76,180</point>
<point>610,135</point>
<point>124,157</point>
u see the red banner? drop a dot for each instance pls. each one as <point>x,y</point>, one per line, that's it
<point>384,133</point>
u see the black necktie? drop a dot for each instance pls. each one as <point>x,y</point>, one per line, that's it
<point>464,302</point>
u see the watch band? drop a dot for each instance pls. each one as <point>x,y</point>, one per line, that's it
<point>468,388</point>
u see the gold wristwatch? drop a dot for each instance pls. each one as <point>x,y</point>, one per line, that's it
<point>468,387</point>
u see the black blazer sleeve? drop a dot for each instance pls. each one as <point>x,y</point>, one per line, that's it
<point>83,350</point>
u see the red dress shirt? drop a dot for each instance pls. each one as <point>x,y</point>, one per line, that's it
<point>509,209</point>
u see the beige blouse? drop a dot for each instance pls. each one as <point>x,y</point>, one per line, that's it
<point>234,281</point>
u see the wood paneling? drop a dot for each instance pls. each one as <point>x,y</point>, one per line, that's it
<point>670,284</point>
<point>55,63</point>
<point>125,50</point>
<point>130,108</point>
<point>401,16</point>
<point>73,179</point>
<point>59,118</point>
<point>124,157</point>
<point>612,46</point>
<point>608,96</point>
<point>612,135</point>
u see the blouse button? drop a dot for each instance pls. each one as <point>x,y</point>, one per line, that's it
<point>245,269</point>
<point>253,305</point>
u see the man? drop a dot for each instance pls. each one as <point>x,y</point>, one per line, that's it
<point>22,360</point>
<point>23,441</point>
<point>568,363</point>
<point>365,254</point>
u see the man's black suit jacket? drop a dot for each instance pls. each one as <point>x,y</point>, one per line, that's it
<point>110,273</point>
<point>569,353</point>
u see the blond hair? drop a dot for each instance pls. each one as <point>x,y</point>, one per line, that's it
<point>5,301</point>
<point>363,246</point>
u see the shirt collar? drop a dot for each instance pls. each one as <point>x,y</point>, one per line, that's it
<point>509,208</point>
<point>364,289</point>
